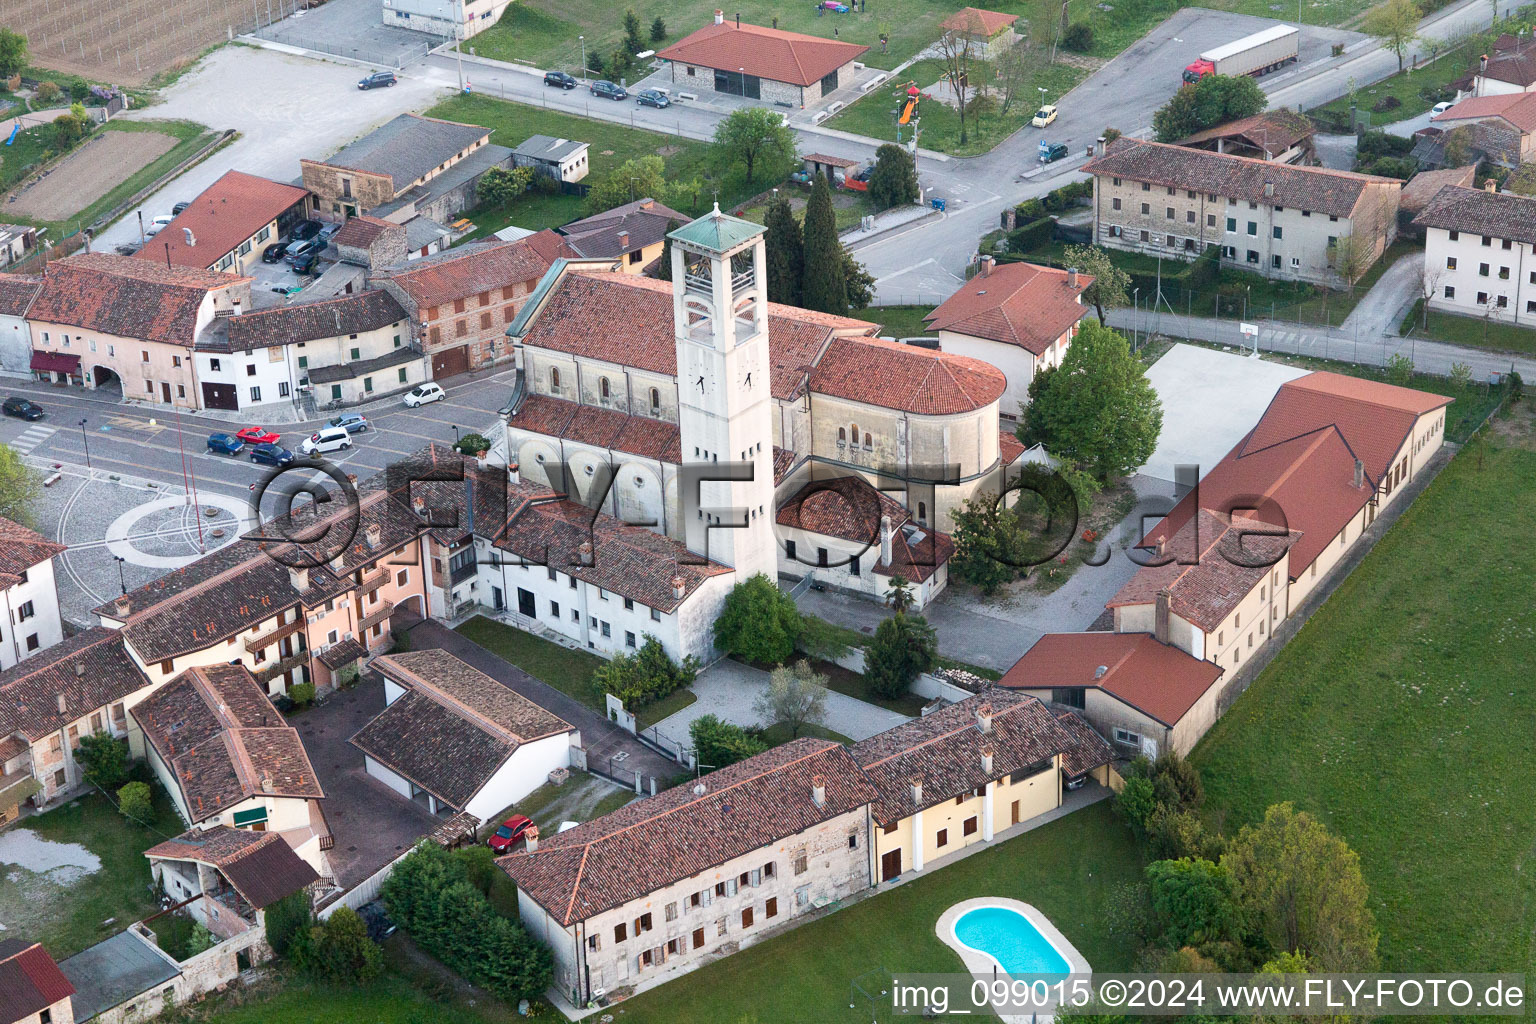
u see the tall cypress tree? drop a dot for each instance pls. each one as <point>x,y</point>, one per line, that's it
<point>664,263</point>
<point>823,286</point>
<point>785,253</point>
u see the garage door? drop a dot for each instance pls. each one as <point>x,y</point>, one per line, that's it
<point>449,362</point>
<point>219,396</point>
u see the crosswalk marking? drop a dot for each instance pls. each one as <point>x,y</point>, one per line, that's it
<point>31,438</point>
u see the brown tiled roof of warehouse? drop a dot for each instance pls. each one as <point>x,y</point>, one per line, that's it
<point>1015,304</point>
<point>1478,212</point>
<point>974,20</point>
<point>1160,680</point>
<point>20,549</point>
<point>1518,108</point>
<point>895,376</point>
<point>361,231</point>
<point>765,52</point>
<point>225,214</point>
<point>224,741</point>
<point>128,297</point>
<point>30,981</point>
<point>260,865</point>
<point>80,673</point>
<point>468,689</point>
<point>679,833</point>
<point>472,269</point>
<point>1425,185</point>
<point>945,750</point>
<point>406,148</point>
<point>1273,131</point>
<point>1335,193</point>
<point>17,292</point>
<point>367,310</point>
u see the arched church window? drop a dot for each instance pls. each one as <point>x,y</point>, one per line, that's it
<point>655,399</point>
<point>554,378</point>
<point>602,386</point>
<point>867,443</point>
<point>842,435</point>
<point>922,512</point>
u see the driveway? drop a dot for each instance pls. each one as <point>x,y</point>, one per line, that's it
<point>727,690</point>
<point>1385,305</point>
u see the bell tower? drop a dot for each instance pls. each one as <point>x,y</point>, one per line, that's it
<point>725,408</point>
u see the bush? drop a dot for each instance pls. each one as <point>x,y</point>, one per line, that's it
<point>1516,386</point>
<point>472,444</point>
<point>1172,834</point>
<point>287,919</point>
<point>1192,900</point>
<point>498,186</point>
<point>644,677</point>
<point>1375,144</point>
<point>1031,236</point>
<point>758,622</point>
<point>46,92</point>
<point>658,30</point>
<point>717,743</point>
<point>1176,783</point>
<point>104,760</point>
<point>136,802</point>
<point>1402,167</point>
<point>903,648</point>
<point>339,950</point>
<point>1078,37</point>
<point>302,694</point>
<point>1136,802</point>
<point>1399,370</point>
<point>1461,375</point>
<point>1385,104</point>
<point>79,91</point>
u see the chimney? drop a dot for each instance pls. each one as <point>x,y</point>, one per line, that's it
<point>191,238</point>
<point>121,606</point>
<point>584,553</point>
<point>679,587</point>
<point>1491,185</point>
<point>1160,617</point>
<point>1101,672</point>
<point>986,266</point>
<point>1098,146</point>
<point>79,670</point>
<point>531,837</point>
<point>419,506</point>
<point>337,561</point>
<point>986,761</point>
<point>720,20</point>
<point>1072,277</point>
<point>917,791</point>
<point>984,717</point>
<point>63,705</point>
<point>299,577</point>
<point>738,19</point>
<point>236,307</point>
<point>1269,190</point>
<point>514,473</point>
<point>372,536</point>
<point>623,241</point>
<point>1359,473</point>
<point>885,540</point>
<point>266,782</point>
<point>819,790</point>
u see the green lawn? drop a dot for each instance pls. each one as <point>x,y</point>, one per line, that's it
<point>1077,870</point>
<point>898,321</point>
<point>668,705</point>
<point>566,670</point>
<point>778,733</point>
<point>1400,717</point>
<point>1407,86</point>
<point>30,148</point>
<point>68,915</point>
<point>1473,332</point>
<point>847,207</point>
<point>852,684</point>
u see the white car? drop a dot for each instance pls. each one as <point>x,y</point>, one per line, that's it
<point>326,439</point>
<point>1442,107</point>
<point>421,394</point>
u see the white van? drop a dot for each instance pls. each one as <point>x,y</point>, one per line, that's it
<point>326,439</point>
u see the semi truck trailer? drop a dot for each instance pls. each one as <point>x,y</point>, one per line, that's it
<point>1251,55</point>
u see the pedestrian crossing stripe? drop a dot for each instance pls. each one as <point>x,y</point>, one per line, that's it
<point>31,438</point>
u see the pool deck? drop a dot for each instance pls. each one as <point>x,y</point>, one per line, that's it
<point>985,965</point>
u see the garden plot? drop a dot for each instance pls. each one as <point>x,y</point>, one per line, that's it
<point>89,173</point>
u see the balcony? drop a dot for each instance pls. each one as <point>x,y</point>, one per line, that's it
<point>266,673</point>
<point>467,571</point>
<point>271,637</point>
<point>378,615</point>
<point>373,582</point>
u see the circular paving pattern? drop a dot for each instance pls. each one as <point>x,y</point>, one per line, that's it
<point>163,534</point>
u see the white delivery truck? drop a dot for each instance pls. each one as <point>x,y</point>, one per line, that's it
<point>1251,55</point>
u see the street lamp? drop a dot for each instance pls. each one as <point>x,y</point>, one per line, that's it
<point>120,581</point>
<point>1041,89</point>
<point>1135,314</point>
<point>583,57</point>
<point>455,435</point>
<point>85,439</point>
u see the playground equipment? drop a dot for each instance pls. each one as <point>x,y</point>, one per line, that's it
<point>15,129</point>
<point>909,108</point>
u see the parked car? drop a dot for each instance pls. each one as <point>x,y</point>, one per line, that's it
<point>275,252</point>
<point>163,219</point>
<point>864,174</point>
<point>377,80</point>
<point>225,444</point>
<point>152,230</point>
<point>271,454</point>
<point>257,435</point>
<point>299,250</point>
<point>328,232</point>
<point>421,394</point>
<point>1051,151</point>
<point>126,249</point>
<point>377,921</point>
<point>603,87</point>
<point>22,408</point>
<point>510,832</point>
<point>559,79</point>
<point>652,98</point>
<point>179,207</point>
<point>1441,107</point>
<point>326,439</point>
<point>305,264</point>
<point>304,229</point>
<point>1044,116</point>
<point>354,422</point>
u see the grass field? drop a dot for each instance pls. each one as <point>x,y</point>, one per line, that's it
<point>897,321</point>
<point>30,148</point>
<point>1399,715</point>
<point>1407,87</point>
<point>1472,331</point>
<point>847,207</point>
<point>566,670</point>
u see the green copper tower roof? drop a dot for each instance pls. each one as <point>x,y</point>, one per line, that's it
<point>717,232</point>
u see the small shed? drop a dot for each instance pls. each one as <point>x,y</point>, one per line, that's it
<point>561,159</point>
<point>834,167</point>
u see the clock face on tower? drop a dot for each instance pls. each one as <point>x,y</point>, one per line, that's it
<point>748,374</point>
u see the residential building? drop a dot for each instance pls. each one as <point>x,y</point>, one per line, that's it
<point>1506,124</point>
<point>1425,185</point>
<point>227,757</point>
<point>116,322</point>
<point>32,988</point>
<point>448,19</point>
<point>1019,317</point>
<point>632,234</point>
<point>1510,69</point>
<point>16,243</point>
<point>16,294</point>
<point>989,33</point>
<point>732,59</point>
<point>229,224</point>
<point>561,159</point>
<point>460,301</point>
<point>1279,220</point>
<point>349,348</point>
<point>1282,136</point>
<point>1478,254</point>
<point>454,739</point>
<point>126,978</point>
<point>28,593</point>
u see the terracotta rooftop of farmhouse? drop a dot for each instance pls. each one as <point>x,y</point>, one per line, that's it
<point>227,213</point>
<point>17,292</point>
<point>1273,131</point>
<point>343,315</point>
<point>20,549</point>
<point>975,20</point>
<point>1425,185</point>
<point>1479,212</point>
<point>127,297</point>
<point>622,229</point>
<point>260,865</point>
<point>765,52</point>
<point>1016,304</point>
<point>470,270</point>
<point>1160,680</point>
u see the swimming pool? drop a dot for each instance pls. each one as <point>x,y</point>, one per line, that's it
<point>1011,939</point>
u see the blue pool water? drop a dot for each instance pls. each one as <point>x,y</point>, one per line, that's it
<point>1010,937</point>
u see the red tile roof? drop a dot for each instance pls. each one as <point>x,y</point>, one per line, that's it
<point>367,310</point>
<point>468,270</point>
<point>895,376</point>
<point>974,20</point>
<point>765,52</point>
<point>644,436</point>
<point>917,552</point>
<point>29,980</point>
<point>20,549</point>
<point>1016,304</point>
<point>1518,108</point>
<point>361,231</point>
<point>17,292</point>
<point>87,672</point>
<point>227,213</point>
<point>260,865</point>
<point>1161,681</point>
<point>1421,188</point>
<point>848,508</point>
<point>127,297</point>
<point>1009,447</point>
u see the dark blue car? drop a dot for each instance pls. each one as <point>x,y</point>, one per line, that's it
<point>225,444</point>
<point>271,454</point>
<point>610,90</point>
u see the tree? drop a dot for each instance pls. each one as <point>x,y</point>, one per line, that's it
<point>104,759</point>
<point>632,41</point>
<point>664,262</point>
<point>136,802</point>
<point>286,919</point>
<point>957,55</point>
<point>1192,899</point>
<point>1111,286</point>
<point>783,251</point>
<point>1213,100</point>
<point>991,547</point>
<point>757,138</point>
<point>1298,888</point>
<point>899,597</point>
<point>498,186</point>
<point>644,677</point>
<point>858,283</point>
<point>717,744</point>
<point>46,92</point>
<point>796,697</point>
<point>822,288</point>
<point>1172,833</point>
<point>893,182</point>
<point>1097,410</point>
<point>472,443</point>
<point>758,622</point>
<point>1176,783</point>
<point>904,647</point>
<point>1458,146</point>
<point>640,178</point>
<point>658,30</point>
<point>1013,69</point>
<point>1137,802</point>
<point>1396,24</point>
<point>1429,287</point>
<point>341,951</point>
<point>13,53</point>
<point>1522,180</point>
<point>71,127</point>
<point>1352,255</point>
<point>1399,370</point>
<point>1078,37</point>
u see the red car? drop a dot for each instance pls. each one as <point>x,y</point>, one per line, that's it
<point>511,830</point>
<point>258,435</point>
